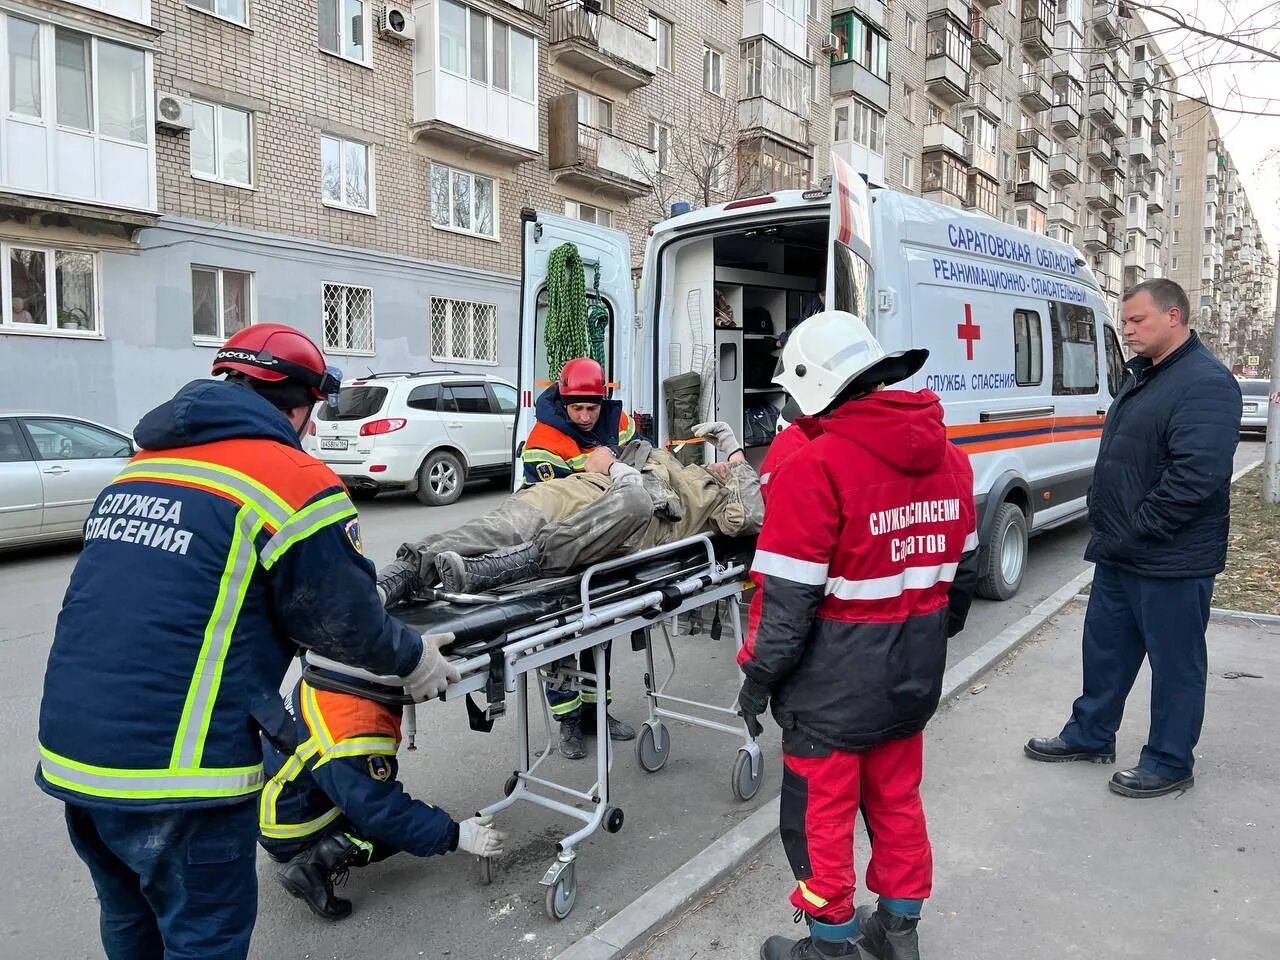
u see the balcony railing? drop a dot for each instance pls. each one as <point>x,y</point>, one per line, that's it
<point>613,52</point>
<point>988,42</point>
<point>1036,90</point>
<point>1033,138</point>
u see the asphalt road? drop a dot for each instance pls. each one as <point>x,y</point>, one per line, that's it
<point>405,907</point>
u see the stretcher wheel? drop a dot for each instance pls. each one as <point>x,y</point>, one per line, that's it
<point>745,784</point>
<point>485,868</point>
<point>562,895</point>
<point>509,787</point>
<point>613,819</point>
<point>653,746</point>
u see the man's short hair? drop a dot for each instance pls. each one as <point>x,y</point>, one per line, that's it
<point>1167,294</point>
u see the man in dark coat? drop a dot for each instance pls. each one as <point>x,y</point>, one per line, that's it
<point>1158,518</point>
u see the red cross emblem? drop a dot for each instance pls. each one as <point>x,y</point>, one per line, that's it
<point>968,331</point>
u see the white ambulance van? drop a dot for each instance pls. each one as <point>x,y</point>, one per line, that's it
<point>1022,351</point>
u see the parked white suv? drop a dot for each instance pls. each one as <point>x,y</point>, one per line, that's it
<point>428,432</point>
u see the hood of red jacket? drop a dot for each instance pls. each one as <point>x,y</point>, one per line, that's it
<point>900,427</point>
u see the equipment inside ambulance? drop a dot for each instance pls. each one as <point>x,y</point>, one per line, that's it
<point>1022,351</point>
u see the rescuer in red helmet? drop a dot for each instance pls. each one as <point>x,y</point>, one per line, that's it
<point>216,554</point>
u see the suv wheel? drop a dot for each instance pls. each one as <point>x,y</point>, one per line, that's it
<point>1001,575</point>
<point>440,479</point>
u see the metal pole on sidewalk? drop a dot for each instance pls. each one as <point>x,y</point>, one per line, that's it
<point>1271,461</point>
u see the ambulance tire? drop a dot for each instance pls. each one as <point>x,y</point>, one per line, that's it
<point>1006,555</point>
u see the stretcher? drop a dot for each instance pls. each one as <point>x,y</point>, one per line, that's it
<point>539,628</point>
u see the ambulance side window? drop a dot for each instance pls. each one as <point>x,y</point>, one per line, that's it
<point>1115,362</point>
<point>1075,350</point>
<point>1028,348</point>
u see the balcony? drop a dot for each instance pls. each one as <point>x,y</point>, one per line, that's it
<point>1097,195</point>
<point>943,136</point>
<point>1099,151</point>
<point>1140,150</point>
<point>1064,169</point>
<point>1032,193</point>
<point>772,120</point>
<point>1103,109</point>
<point>1114,208</point>
<point>1158,132</point>
<point>985,98</point>
<point>1033,138</point>
<point>1155,199</point>
<point>1104,17</point>
<point>872,10</point>
<point>957,8</point>
<point>983,193</point>
<point>1095,239</point>
<point>983,161</point>
<point>987,4</point>
<point>988,43</point>
<point>946,79</point>
<point>854,78</point>
<point>1139,184</point>
<point>1065,120</point>
<point>1036,33</point>
<point>1036,91</point>
<point>601,47</point>
<point>594,160</point>
<point>1062,212</point>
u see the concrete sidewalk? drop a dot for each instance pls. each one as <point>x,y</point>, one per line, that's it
<point>1043,861</point>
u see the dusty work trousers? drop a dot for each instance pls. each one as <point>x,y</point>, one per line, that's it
<point>574,521</point>
<point>821,795</point>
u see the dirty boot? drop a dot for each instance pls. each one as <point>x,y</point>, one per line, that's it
<point>619,730</point>
<point>572,745</point>
<point>826,941</point>
<point>476,574</point>
<point>398,581</point>
<point>311,874</point>
<point>889,932</point>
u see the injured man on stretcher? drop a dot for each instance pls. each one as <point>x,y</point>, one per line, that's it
<point>551,528</point>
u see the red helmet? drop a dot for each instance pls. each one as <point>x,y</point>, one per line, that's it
<point>274,352</point>
<point>582,381</point>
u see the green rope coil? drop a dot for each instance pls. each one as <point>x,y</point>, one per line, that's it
<point>568,336</point>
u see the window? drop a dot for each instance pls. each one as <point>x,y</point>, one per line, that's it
<point>912,31</point>
<point>717,167</point>
<point>345,177</point>
<point>1115,362</point>
<point>425,397</point>
<point>233,10</point>
<point>1177,236</point>
<point>486,51</point>
<point>13,447</point>
<point>946,37</point>
<point>506,397</point>
<point>840,124</point>
<point>769,71</point>
<point>908,103</point>
<point>221,144</point>
<point>660,143</point>
<point>1075,350</point>
<point>1177,158</point>
<point>712,71</point>
<point>221,302</point>
<point>1177,184</point>
<point>69,440</point>
<point>1177,209</point>
<point>860,124</point>
<point>343,27</point>
<point>1208,234</point>
<point>465,398</point>
<point>595,112</point>
<point>765,166</point>
<point>588,214</point>
<point>98,87</point>
<point>1204,264</point>
<point>25,95</point>
<point>660,30</point>
<point>1173,264</point>
<point>1028,348</point>
<point>44,289</point>
<point>463,201</point>
<point>348,318</point>
<point>908,172</point>
<point>858,42</point>
<point>1177,132</point>
<point>464,330</point>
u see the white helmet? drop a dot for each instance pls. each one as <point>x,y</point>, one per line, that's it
<point>832,351</point>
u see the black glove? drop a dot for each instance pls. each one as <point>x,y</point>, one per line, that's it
<point>753,700</point>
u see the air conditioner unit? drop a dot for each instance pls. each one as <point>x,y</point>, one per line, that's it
<point>831,44</point>
<point>173,112</point>
<point>396,22</point>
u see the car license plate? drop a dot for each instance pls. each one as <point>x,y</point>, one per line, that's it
<point>333,443</point>
<point>1250,408</point>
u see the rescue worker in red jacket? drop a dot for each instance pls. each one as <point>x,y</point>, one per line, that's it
<point>579,429</point>
<point>866,564</point>
<point>215,554</point>
<point>336,802</point>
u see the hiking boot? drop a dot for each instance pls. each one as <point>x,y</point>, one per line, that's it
<point>572,745</point>
<point>619,730</point>
<point>887,935</point>
<point>310,875</point>
<point>460,574</point>
<point>826,941</point>
<point>398,581</point>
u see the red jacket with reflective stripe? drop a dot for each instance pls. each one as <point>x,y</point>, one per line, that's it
<point>865,565</point>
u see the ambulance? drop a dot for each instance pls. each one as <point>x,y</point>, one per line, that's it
<point>1022,349</point>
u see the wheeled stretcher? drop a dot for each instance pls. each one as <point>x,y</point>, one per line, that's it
<point>538,628</point>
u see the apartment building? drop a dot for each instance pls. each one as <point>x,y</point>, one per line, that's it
<point>172,170</point>
<point>1218,252</point>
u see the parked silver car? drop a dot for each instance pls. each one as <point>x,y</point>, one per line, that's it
<point>52,468</point>
<point>1253,410</point>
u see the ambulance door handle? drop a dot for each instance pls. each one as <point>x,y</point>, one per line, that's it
<point>1101,411</point>
<point>1000,416</point>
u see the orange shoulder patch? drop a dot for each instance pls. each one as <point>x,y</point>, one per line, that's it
<point>346,716</point>
<point>545,437</point>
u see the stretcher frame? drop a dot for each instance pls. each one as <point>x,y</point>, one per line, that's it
<point>540,648</point>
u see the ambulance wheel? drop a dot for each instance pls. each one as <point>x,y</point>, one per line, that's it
<point>746,784</point>
<point>509,787</point>
<point>440,479</point>
<point>1006,560</point>
<point>613,819</point>
<point>562,895</point>
<point>486,870</point>
<point>653,746</point>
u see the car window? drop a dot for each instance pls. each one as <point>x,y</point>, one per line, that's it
<point>12,446</point>
<point>1115,362</point>
<point>1255,388</point>
<point>354,403</point>
<point>1028,348</point>
<point>425,397</point>
<point>466,398</point>
<point>69,440</point>
<point>1075,351</point>
<point>506,397</point>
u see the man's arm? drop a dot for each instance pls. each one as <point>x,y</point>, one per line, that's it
<point>1204,429</point>
<point>542,465</point>
<point>324,596</point>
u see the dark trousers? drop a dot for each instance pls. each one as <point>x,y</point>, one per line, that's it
<point>568,704</point>
<point>172,885</point>
<point>1129,617</point>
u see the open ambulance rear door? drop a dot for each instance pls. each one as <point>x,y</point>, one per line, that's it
<point>606,256</point>
<point>849,273</point>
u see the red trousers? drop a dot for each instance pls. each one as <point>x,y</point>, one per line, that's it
<point>821,796</point>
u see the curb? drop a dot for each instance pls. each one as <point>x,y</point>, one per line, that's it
<point>670,898</point>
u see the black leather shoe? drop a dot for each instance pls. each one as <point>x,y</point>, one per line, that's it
<point>1053,750</point>
<point>1141,784</point>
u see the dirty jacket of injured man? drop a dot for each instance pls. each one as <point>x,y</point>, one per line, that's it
<point>585,518</point>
